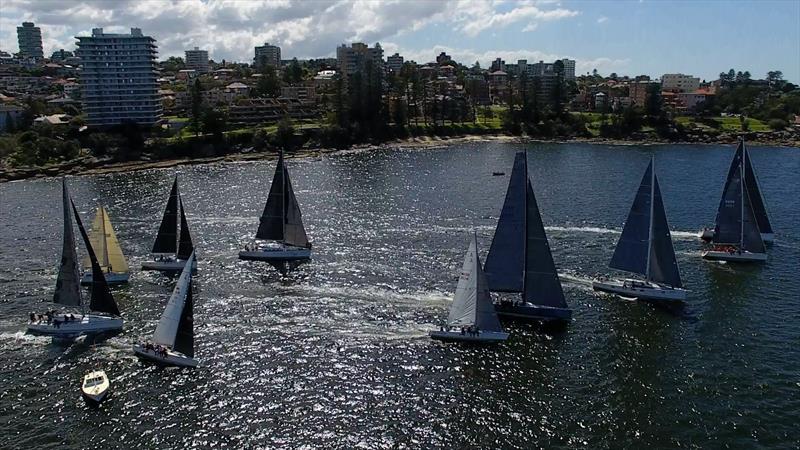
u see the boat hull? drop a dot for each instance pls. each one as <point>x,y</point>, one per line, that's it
<point>167,266</point>
<point>278,255</point>
<point>532,313</point>
<point>707,234</point>
<point>172,358</point>
<point>743,257</point>
<point>483,337</point>
<point>112,278</point>
<point>95,393</point>
<point>640,290</point>
<point>88,324</point>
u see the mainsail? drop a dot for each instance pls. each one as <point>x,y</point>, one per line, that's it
<point>645,246</point>
<point>105,244</point>
<point>282,220</point>
<point>102,300</point>
<point>175,329</point>
<point>737,223</point>
<point>507,252</point>
<point>167,239</point>
<point>542,286</point>
<point>68,283</point>
<point>185,247</point>
<point>472,304</point>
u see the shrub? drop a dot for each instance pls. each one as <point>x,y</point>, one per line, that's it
<point>777,124</point>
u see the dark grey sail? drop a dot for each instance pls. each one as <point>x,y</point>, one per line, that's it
<point>507,253</point>
<point>541,284</point>
<point>728,227</point>
<point>68,282</point>
<point>663,264</point>
<point>167,238</point>
<point>184,338</point>
<point>282,220</point>
<point>751,234</point>
<point>102,300</point>
<point>185,247</point>
<point>756,198</point>
<point>633,246</point>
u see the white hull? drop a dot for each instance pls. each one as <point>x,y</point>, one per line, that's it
<point>640,290</point>
<point>707,234</point>
<point>717,255</point>
<point>481,337</point>
<point>112,278</point>
<point>95,387</point>
<point>88,324</point>
<point>172,358</point>
<point>167,265</point>
<point>276,254</point>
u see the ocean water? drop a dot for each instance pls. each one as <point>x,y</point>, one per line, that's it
<point>337,354</point>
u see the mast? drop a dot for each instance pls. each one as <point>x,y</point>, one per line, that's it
<point>650,227</point>
<point>525,229</point>
<point>106,262</point>
<point>744,192</point>
<point>67,290</point>
<point>283,197</point>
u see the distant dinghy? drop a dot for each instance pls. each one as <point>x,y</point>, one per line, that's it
<point>737,237</point>
<point>281,239</point>
<point>645,248</point>
<point>173,340</point>
<point>756,197</point>
<point>520,260</point>
<point>472,316</point>
<point>68,325</point>
<point>108,251</point>
<point>172,248</point>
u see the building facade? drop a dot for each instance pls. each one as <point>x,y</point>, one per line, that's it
<point>394,62</point>
<point>678,82</point>
<point>351,59</point>
<point>119,78</point>
<point>267,55</point>
<point>197,60</point>
<point>29,38</point>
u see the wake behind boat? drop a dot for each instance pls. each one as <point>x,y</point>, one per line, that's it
<point>754,190</point>
<point>281,239</point>
<point>171,248</point>
<point>520,260</point>
<point>472,316</point>
<point>737,237</point>
<point>645,248</point>
<point>104,242</point>
<point>67,326</point>
<point>173,340</point>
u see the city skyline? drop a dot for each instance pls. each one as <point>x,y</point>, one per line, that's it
<point>698,38</point>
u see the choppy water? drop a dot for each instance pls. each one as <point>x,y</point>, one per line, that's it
<point>338,355</point>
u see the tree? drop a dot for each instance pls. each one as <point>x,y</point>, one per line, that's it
<point>214,123</point>
<point>284,136</point>
<point>268,85</point>
<point>295,72</point>
<point>197,106</point>
<point>558,89</point>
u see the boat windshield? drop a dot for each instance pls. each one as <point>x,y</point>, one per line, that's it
<point>91,382</point>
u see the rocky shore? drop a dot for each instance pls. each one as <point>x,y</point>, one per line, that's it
<point>90,165</point>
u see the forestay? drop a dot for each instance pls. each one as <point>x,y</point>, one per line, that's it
<point>472,304</point>
<point>68,282</point>
<point>178,315</point>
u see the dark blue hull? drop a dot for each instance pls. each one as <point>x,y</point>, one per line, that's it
<point>532,313</point>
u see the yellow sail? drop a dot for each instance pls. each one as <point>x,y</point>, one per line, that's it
<point>105,244</point>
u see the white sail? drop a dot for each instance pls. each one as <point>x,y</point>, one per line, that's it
<point>167,327</point>
<point>472,304</point>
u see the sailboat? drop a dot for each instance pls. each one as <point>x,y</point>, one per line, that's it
<point>173,340</point>
<point>68,293</point>
<point>737,236</point>
<point>281,239</point>
<point>645,248</point>
<point>171,248</point>
<point>520,260</point>
<point>106,247</point>
<point>472,316</point>
<point>756,197</point>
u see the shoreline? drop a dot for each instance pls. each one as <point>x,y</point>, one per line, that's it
<point>93,166</point>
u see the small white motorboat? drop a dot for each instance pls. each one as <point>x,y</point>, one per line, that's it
<point>472,316</point>
<point>95,387</point>
<point>173,340</point>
